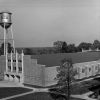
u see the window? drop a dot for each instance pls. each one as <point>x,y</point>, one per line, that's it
<point>20,69</point>
<point>99,67</point>
<point>83,70</point>
<point>9,68</point>
<point>19,60</point>
<point>14,68</point>
<point>96,67</point>
<point>89,69</point>
<point>9,60</point>
<point>14,60</point>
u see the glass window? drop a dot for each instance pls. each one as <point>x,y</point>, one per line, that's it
<point>89,69</point>
<point>9,60</point>
<point>20,69</point>
<point>83,70</point>
<point>19,60</point>
<point>9,68</point>
<point>14,60</point>
<point>96,67</point>
<point>14,68</point>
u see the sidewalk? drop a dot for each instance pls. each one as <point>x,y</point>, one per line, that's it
<point>18,95</point>
<point>12,84</point>
<point>9,84</point>
<point>84,96</point>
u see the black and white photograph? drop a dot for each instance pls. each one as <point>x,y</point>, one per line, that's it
<point>49,49</point>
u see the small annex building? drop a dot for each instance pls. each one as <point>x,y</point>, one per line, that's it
<point>41,70</point>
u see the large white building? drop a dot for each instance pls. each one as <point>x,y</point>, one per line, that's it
<point>41,70</point>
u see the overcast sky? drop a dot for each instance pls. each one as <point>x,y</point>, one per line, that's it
<point>41,22</point>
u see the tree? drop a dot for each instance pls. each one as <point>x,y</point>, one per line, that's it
<point>65,75</point>
<point>96,44</point>
<point>84,45</point>
<point>58,46</point>
<point>71,48</point>
<point>64,47</point>
<point>28,51</point>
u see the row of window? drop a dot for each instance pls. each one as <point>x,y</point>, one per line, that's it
<point>83,70</point>
<point>14,60</point>
<point>96,68</point>
<point>14,68</point>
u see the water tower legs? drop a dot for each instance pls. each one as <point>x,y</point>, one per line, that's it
<point>4,40</point>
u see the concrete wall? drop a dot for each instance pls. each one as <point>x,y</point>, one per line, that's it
<point>89,69</point>
<point>85,70</point>
<point>50,75</point>
<point>33,72</point>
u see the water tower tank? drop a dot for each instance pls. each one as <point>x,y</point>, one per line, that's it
<point>5,19</point>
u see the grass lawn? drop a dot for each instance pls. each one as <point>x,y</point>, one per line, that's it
<point>39,96</point>
<point>10,91</point>
<point>86,86</point>
<point>81,88</point>
<point>78,89</point>
<point>74,89</point>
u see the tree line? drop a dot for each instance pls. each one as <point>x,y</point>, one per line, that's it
<point>58,47</point>
<point>63,47</point>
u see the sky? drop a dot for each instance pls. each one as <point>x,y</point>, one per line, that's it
<point>38,23</point>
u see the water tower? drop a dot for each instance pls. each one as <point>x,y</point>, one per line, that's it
<point>6,23</point>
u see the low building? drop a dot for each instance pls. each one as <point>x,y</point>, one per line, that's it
<point>41,70</point>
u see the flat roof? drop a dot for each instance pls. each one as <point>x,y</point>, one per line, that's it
<point>55,59</point>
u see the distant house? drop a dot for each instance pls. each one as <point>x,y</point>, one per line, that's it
<point>97,49</point>
<point>41,70</point>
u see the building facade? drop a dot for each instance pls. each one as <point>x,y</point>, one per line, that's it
<point>41,70</point>
<point>14,67</point>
